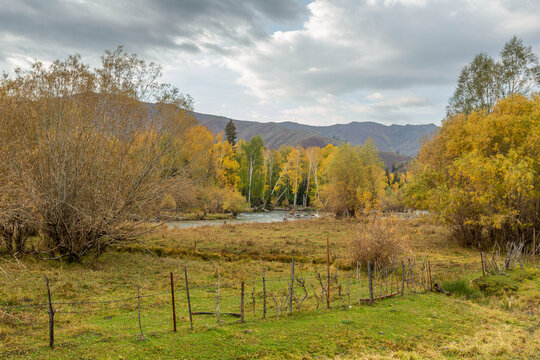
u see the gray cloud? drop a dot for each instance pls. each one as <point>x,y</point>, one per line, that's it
<point>50,27</point>
<point>348,45</point>
<point>330,61</point>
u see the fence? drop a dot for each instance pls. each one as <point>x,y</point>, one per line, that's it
<point>242,301</point>
<point>185,305</point>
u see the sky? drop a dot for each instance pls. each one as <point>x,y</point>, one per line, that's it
<point>317,62</point>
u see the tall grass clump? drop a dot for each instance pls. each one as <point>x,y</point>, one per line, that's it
<point>377,239</point>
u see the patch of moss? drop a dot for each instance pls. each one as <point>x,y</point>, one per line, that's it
<point>496,284</point>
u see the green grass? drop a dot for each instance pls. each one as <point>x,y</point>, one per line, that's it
<point>423,326</point>
<point>461,288</point>
<point>415,326</point>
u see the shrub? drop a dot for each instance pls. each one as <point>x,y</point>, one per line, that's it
<point>85,152</point>
<point>234,202</point>
<point>377,239</point>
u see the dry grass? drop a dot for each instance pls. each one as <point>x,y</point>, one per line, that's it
<point>378,240</point>
<point>116,274</point>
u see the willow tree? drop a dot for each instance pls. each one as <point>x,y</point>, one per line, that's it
<point>83,155</point>
<point>355,180</point>
<point>481,173</point>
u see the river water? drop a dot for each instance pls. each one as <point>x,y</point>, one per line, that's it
<point>245,217</point>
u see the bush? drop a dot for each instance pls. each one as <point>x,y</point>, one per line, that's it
<point>377,239</point>
<point>84,152</point>
<point>234,202</point>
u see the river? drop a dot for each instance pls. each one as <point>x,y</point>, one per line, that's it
<point>246,217</point>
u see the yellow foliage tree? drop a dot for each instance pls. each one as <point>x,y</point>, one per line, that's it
<point>481,172</point>
<point>356,180</point>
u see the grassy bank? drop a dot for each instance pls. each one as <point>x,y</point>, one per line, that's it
<point>428,325</point>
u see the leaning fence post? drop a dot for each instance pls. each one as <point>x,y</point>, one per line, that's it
<point>188,300</point>
<point>264,293</point>
<point>402,278</point>
<point>51,316</point>
<point>327,273</point>
<point>430,280</point>
<point>482,259</point>
<point>370,282</point>
<point>242,303</point>
<point>173,303</point>
<point>291,293</point>
<point>139,310</point>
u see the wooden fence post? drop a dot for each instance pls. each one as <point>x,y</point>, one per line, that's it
<point>370,282</point>
<point>188,299</point>
<point>534,246</point>
<point>217,295</point>
<point>139,310</point>
<point>291,293</point>
<point>264,293</point>
<point>402,278</point>
<point>173,303</point>
<point>242,303</point>
<point>482,259</point>
<point>327,273</point>
<point>430,280</point>
<point>51,316</point>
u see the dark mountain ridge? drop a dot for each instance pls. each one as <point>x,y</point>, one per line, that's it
<point>396,143</point>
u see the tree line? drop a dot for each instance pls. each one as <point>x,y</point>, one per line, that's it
<point>89,154</point>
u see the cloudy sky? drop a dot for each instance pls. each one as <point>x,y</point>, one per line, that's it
<point>316,62</point>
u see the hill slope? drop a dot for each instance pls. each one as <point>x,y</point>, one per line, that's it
<point>273,134</point>
<point>402,139</point>
<point>396,143</point>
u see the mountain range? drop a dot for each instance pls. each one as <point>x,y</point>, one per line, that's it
<point>396,143</point>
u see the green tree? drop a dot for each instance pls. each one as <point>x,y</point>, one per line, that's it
<point>479,86</point>
<point>485,81</point>
<point>520,69</point>
<point>251,155</point>
<point>230,132</point>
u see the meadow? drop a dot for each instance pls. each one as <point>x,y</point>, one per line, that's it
<point>469,324</point>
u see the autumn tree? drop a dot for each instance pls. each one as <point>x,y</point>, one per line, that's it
<point>293,171</point>
<point>483,82</point>
<point>355,180</point>
<point>274,162</point>
<point>481,173</point>
<point>83,155</point>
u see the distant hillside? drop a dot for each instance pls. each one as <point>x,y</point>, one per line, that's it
<point>402,139</point>
<point>273,134</point>
<point>396,143</point>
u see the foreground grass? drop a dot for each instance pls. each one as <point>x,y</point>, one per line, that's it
<point>422,326</point>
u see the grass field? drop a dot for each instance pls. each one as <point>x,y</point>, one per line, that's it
<point>430,325</point>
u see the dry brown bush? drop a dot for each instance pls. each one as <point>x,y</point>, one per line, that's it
<point>84,152</point>
<point>377,239</point>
